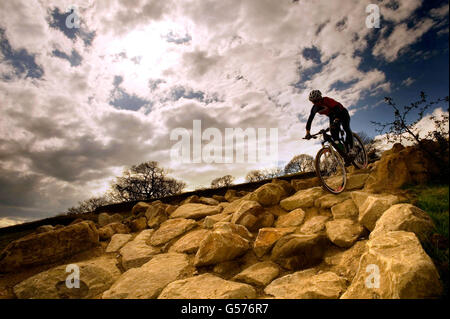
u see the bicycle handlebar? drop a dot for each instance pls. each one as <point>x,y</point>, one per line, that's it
<point>314,136</point>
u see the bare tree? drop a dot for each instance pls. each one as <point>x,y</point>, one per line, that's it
<point>268,173</point>
<point>404,128</point>
<point>300,164</point>
<point>90,205</point>
<point>143,182</point>
<point>226,180</point>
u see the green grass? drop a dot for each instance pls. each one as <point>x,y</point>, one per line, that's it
<point>434,199</point>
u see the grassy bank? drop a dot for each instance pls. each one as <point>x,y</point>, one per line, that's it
<point>434,199</point>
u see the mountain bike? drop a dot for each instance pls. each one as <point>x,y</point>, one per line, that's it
<point>332,158</point>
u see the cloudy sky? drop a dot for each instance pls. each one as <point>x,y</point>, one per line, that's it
<point>78,104</point>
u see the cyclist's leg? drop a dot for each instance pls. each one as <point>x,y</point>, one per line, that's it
<point>345,121</point>
<point>334,128</point>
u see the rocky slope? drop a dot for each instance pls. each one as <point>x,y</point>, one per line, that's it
<point>282,240</point>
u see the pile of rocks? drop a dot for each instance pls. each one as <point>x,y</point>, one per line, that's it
<point>283,240</point>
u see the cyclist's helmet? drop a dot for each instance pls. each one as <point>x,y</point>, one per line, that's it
<point>315,95</point>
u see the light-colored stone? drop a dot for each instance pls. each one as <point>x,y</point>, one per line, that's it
<point>103,219</point>
<point>137,252</point>
<point>359,197</point>
<point>246,207</point>
<point>170,229</point>
<point>345,210</point>
<point>264,220</point>
<point>195,211</point>
<point>106,232</point>
<point>405,217</point>
<point>117,242</point>
<point>307,284</point>
<point>96,276</point>
<point>343,232</point>
<point>138,224</point>
<point>373,208</point>
<point>356,181</point>
<point>276,210</point>
<point>345,263</point>
<point>302,199</point>
<point>233,228</point>
<point>267,237</point>
<point>211,220</point>
<point>44,228</point>
<point>191,199</point>
<point>405,270</point>
<point>296,251</point>
<point>300,184</point>
<point>259,274</point>
<point>140,207</point>
<point>292,219</point>
<point>220,246</point>
<point>270,194</point>
<point>207,286</point>
<point>156,215</point>
<point>329,200</point>
<point>208,201</point>
<point>147,281</point>
<point>190,242</point>
<point>314,225</point>
<point>48,247</point>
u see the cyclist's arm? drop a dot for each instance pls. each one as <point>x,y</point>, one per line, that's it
<point>310,119</point>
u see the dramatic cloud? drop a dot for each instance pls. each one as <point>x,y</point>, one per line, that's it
<point>80,104</point>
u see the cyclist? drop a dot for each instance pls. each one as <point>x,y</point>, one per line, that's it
<point>338,115</point>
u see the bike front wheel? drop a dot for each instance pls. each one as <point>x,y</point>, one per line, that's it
<point>330,169</point>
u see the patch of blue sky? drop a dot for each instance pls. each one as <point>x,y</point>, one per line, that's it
<point>22,61</point>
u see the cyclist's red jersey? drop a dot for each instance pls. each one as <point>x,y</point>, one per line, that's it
<point>327,105</point>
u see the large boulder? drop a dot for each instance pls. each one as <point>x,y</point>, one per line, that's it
<point>300,184</point>
<point>259,274</point>
<point>220,246</point>
<point>343,232</point>
<point>156,214</point>
<point>307,284</point>
<point>207,286</point>
<point>209,221</point>
<point>292,219</point>
<point>195,211</point>
<point>373,208</point>
<point>137,252</point>
<point>147,281</point>
<point>208,201</point>
<point>267,237</point>
<point>401,166</point>
<point>234,228</point>
<point>270,194</point>
<point>302,199</point>
<point>246,213</point>
<point>171,229</point>
<point>48,247</point>
<point>395,266</point>
<point>296,251</point>
<point>345,263</point>
<point>95,276</point>
<point>356,181</point>
<point>329,200</point>
<point>190,242</point>
<point>105,219</point>
<point>138,224</point>
<point>117,242</point>
<point>315,224</point>
<point>345,210</point>
<point>405,217</point>
<point>106,232</point>
<point>140,208</point>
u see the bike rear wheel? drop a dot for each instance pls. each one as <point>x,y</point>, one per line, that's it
<point>361,160</point>
<point>330,169</point>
